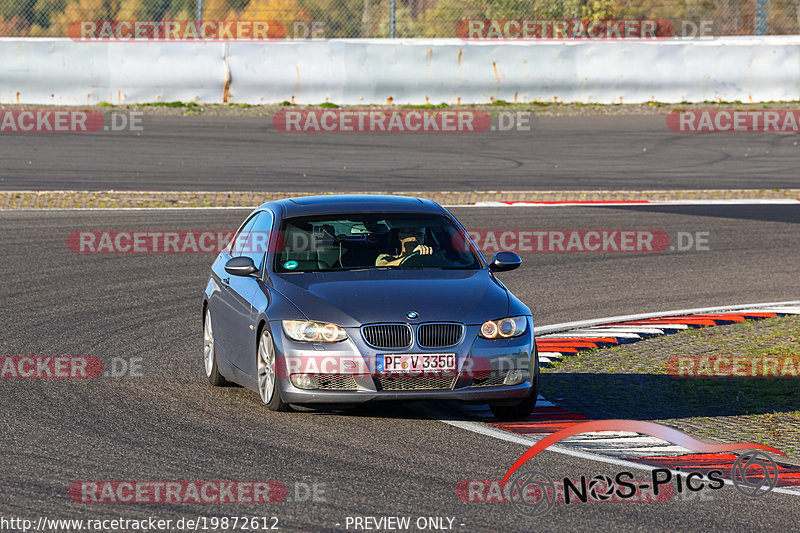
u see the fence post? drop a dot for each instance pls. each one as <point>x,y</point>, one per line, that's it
<point>392,19</point>
<point>761,17</point>
<point>199,9</point>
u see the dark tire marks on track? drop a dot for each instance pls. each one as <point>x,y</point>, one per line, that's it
<point>246,153</point>
<point>384,459</point>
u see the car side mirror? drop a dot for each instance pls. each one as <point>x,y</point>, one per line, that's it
<point>505,261</point>
<point>240,266</point>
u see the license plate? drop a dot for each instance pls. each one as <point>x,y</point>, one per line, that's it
<point>408,363</point>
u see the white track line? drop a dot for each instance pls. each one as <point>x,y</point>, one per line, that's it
<point>753,201</point>
<point>588,334</point>
<point>48,209</point>
<point>614,331</point>
<point>672,326</point>
<point>550,355</point>
<point>742,201</point>
<point>790,310</point>
<point>754,308</point>
<point>638,330</point>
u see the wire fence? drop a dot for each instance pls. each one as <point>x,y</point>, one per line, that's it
<point>399,18</point>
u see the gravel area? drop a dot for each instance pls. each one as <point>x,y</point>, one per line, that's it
<point>140,199</point>
<point>544,109</point>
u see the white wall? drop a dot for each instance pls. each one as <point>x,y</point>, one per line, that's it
<point>358,71</point>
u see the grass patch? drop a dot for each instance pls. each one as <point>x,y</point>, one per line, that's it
<point>328,105</point>
<point>524,105</point>
<point>169,104</point>
<point>426,106</point>
<point>723,102</point>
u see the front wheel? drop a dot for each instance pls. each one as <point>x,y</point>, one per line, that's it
<point>267,374</point>
<point>524,408</point>
<point>517,411</point>
<point>210,353</point>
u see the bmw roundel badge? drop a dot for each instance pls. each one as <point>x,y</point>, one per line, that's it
<point>412,315</point>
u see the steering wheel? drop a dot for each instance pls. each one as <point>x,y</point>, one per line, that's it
<point>408,257</point>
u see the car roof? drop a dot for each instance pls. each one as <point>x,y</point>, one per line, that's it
<point>351,203</point>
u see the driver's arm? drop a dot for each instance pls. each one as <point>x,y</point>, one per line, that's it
<point>383,259</point>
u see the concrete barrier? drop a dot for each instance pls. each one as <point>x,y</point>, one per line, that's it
<point>380,71</point>
<point>65,72</point>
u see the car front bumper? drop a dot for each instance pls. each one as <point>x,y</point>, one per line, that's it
<point>345,371</point>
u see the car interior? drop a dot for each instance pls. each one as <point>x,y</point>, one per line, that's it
<point>348,244</point>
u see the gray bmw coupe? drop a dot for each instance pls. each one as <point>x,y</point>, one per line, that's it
<point>351,299</point>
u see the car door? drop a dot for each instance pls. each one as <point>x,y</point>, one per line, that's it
<point>239,292</point>
<point>231,302</point>
<point>219,302</point>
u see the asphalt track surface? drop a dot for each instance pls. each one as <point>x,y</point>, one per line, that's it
<point>375,461</point>
<point>248,154</point>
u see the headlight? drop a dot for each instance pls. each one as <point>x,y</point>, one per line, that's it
<point>307,331</point>
<point>504,328</point>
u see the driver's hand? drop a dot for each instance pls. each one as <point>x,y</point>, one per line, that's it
<point>423,250</point>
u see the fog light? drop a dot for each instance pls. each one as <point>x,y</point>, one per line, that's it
<point>515,377</point>
<point>304,381</point>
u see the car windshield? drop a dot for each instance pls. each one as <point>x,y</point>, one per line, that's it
<point>373,241</point>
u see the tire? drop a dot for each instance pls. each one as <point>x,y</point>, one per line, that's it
<point>210,354</point>
<point>267,373</point>
<point>518,411</point>
<point>524,408</point>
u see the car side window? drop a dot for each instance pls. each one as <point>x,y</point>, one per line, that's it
<point>240,240</point>
<point>252,241</point>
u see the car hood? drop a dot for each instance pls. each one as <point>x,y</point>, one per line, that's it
<point>362,297</point>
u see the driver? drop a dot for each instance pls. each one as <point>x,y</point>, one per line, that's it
<point>411,240</point>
